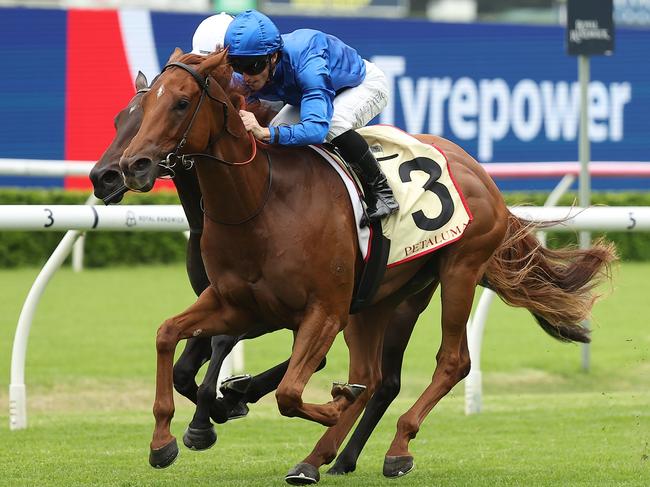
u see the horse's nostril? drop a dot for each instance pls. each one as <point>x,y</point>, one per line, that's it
<point>111,177</point>
<point>142,165</point>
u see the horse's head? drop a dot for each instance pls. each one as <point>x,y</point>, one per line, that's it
<point>184,111</point>
<point>106,176</point>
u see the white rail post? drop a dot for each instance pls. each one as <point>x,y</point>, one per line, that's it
<point>554,198</point>
<point>238,358</point>
<point>17,389</point>
<point>475,329</point>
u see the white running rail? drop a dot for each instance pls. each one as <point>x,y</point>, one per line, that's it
<point>172,218</point>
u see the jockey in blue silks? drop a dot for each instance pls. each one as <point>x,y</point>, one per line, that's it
<point>327,88</point>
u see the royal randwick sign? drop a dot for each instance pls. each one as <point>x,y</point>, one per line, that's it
<point>590,27</point>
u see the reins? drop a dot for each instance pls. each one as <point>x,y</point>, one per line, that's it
<point>259,208</point>
<point>187,160</point>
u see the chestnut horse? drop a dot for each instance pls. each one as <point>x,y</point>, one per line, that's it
<point>108,185</point>
<point>267,212</point>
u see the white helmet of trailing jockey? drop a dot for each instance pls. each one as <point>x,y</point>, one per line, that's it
<point>209,35</point>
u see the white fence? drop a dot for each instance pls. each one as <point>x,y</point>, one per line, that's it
<point>75,219</point>
<point>172,218</point>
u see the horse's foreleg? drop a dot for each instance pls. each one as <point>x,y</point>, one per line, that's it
<point>196,353</point>
<point>200,434</point>
<point>269,380</point>
<point>163,448</point>
<point>200,318</point>
<point>194,263</point>
<point>312,342</point>
<point>453,363</point>
<point>198,350</point>
<point>396,338</point>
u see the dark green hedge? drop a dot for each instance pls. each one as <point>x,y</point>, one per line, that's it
<point>110,248</point>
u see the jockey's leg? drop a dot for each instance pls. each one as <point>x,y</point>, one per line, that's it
<point>379,196</point>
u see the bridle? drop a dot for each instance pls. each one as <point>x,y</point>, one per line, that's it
<point>187,160</point>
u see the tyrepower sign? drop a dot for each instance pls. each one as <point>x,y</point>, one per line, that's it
<point>355,8</point>
<point>590,27</point>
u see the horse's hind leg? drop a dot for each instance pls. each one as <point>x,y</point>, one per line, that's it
<point>458,279</point>
<point>364,338</point>
<point>396,338</point>
<point>312,341</point>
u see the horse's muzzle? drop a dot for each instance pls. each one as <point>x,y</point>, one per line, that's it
<point>108,184</point>
<point>139,173</point>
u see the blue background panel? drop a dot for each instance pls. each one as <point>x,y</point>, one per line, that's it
<point>32,88</point>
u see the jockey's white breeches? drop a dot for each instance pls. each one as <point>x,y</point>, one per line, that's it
<point>353,108</point>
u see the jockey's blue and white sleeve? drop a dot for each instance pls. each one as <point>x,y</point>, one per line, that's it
<point>316,104</point>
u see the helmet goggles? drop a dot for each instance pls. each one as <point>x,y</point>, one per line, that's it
<point>250,65</point>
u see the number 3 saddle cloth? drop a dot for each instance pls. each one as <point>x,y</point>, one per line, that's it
<point>432,211</point>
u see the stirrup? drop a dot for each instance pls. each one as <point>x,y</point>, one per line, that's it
<point>377,214</point>
<point>235,383</point>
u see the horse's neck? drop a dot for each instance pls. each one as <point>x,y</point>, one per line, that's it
<point>189,193</point>
<point>233,193</point>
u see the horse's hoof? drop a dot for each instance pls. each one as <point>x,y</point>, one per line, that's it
<point>237,384</point>
<point>350,391</point>
<point>302,474</point>
<point>341,468</point>
<point>398,466</point>
<point>165,456</point>
<point>240,410</point>
<point>200,438</point>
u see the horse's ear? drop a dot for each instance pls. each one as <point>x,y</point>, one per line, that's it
<point>178,52</point>
<point>140,81</point>
<point>212,61</point>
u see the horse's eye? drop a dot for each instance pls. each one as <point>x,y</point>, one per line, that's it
<point>182,105</point>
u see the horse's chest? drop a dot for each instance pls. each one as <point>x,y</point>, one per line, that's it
<point>272,305</point>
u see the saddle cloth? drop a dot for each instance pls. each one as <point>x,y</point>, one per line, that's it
<point>433,212</point>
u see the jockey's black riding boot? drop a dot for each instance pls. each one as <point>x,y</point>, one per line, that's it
<point>380,193</point>
<point>379,197</point>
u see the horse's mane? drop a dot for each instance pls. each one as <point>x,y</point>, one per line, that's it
<point>222,73</point>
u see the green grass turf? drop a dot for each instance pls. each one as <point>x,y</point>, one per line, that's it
<point>90,374</point>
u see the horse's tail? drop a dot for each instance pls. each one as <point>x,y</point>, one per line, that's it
<point>556,286</point>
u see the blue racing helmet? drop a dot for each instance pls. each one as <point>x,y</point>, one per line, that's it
<point>252,33</point>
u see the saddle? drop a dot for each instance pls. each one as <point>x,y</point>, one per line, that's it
<point>433,212</point>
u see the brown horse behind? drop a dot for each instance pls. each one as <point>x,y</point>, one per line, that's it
<point>280,250</point>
